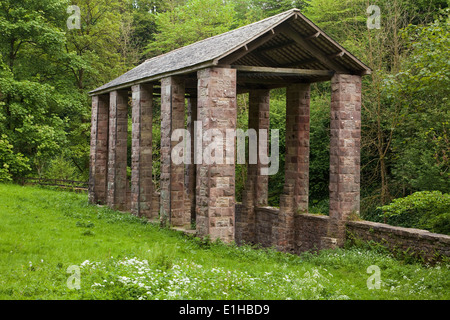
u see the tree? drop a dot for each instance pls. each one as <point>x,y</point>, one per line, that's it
<point>384,116</point>
<point>48,71</point>
<point>29,120</point>
<point>422,88</point>
<point>188,23</point>
<point>92,52</point>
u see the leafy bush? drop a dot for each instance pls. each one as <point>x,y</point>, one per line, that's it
<point>61,168</point>
<point>11,164</point>
<point>429,210</point>
<point>320,207</point>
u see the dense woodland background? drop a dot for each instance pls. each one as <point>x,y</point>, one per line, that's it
<point>47,70</point>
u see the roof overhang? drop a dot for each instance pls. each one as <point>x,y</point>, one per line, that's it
<point>285,48</point>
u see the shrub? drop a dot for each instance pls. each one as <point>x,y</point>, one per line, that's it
<point>429,210</point>
<point>60,168</point>
<point>11,164</point>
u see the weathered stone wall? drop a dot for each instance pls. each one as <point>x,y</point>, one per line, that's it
<point>266,218</point>
<point>309,231</point>
<point>416,242</point>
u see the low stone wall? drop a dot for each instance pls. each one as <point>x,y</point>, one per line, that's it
<point>420,243</point>
<point>265,219</point>
<point>310,230</point>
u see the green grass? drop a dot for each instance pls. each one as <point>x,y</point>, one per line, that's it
<point>44,232</point>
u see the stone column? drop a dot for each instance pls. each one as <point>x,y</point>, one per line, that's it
<point>257,185</point>
<point>259,109</point>
<point>172,175</point>
<point>345,153</point>
<point>117,150</point>
<point>294,199</point>
<point>191,168</point>
<point>215,205</point>
<point>141,154</point>
<point>99,150</point>
<point>297,144</point>
<point>283,228</point>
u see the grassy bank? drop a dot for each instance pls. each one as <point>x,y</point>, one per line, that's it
<point>44,232</point>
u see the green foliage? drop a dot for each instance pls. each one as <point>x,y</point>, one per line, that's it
<point>248,11</point>
<point>188,23</point>
<point>422,89</point>
<point>92,53</point>
<point>12,164</point>
<point>428,210</point>
<point>46,71</point>
<point>60,168</point>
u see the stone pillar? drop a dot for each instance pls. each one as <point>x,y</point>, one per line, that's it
<point>215,207</point>
<point>191,168</point>
<point>294,199</point>
<point>283,228</point>
<point>141,155</point>
<point>247,223</point>
<point>117,150</point>
<point>259,109</point>
<point>345,153</point>
<point>172,175</point>
<point>257,185</point>
<point>297,144</point>
<point>99,150</point>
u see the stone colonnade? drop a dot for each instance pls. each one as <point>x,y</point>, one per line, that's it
<point>206,191</point>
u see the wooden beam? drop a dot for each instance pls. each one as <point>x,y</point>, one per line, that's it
<point>247,84</point>
<point>266,61</point>
<point>366,69</point>
<point>300,63</point>
<point>315,35</point>
<point>247,48</point>
<point>337,55</point>
<point>287,44</point>
<point>285,71</point>
<point>293,34</point>
<point>277,47</point>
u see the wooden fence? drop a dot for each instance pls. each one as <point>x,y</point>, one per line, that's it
<point>79,186</point>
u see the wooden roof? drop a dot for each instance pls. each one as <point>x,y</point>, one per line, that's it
<point>281,49</point>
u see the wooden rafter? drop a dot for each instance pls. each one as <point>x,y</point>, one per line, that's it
<point>247,48</point>
<point>313,36</point>
<point>285,71</point>
<point>277,47</point>
<point>288,31</point>
<point>300,63</point>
